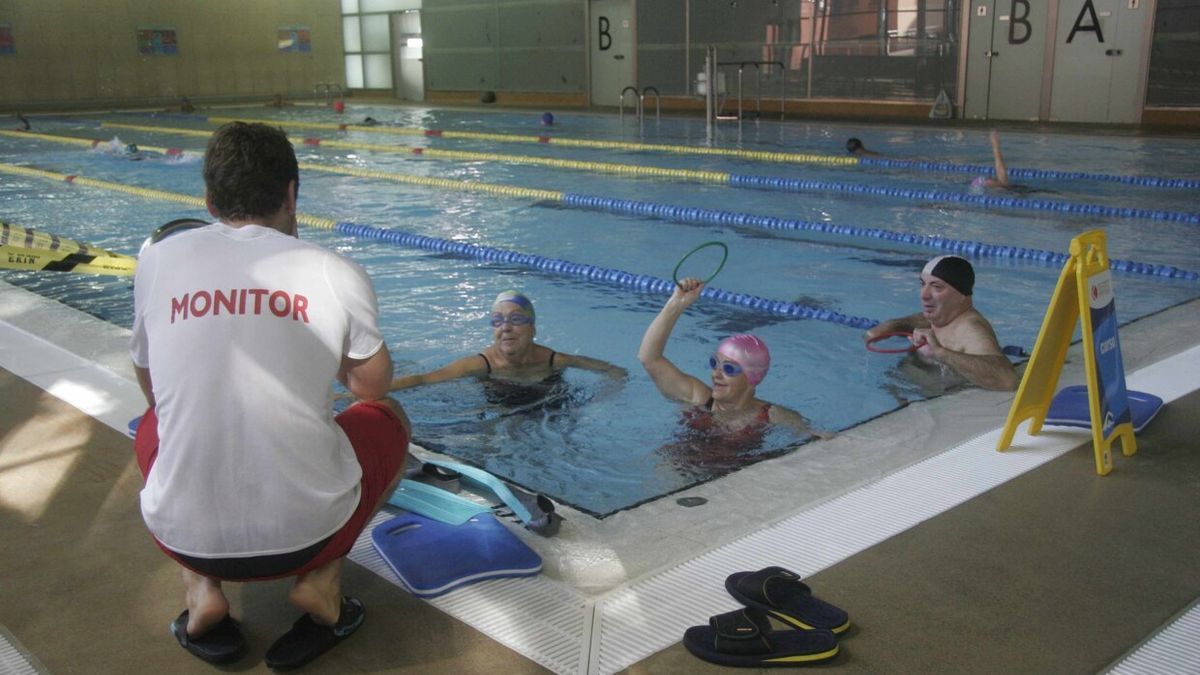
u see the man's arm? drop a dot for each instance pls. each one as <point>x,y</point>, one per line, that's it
<point>143,378</point>
<point>904,324</point>
<point>979,358</point>
<point>368,379</point>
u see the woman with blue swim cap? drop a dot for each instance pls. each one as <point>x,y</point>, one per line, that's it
<point>513,354</point>
<point>738,366</point>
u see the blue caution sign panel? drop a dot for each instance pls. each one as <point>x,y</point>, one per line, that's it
<point>1084,294</point>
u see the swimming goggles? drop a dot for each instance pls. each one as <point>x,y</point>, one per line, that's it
<point>516,319</point>
<point>728,367</point>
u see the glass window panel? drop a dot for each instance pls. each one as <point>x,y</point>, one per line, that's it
<point>389,5</point>
<point>349,6</point>
<point>352,41</point>
<point>354,71</point>
<point>376,33</point>
<point>378,68</point>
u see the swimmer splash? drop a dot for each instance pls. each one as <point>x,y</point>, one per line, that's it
<point>255,301</point>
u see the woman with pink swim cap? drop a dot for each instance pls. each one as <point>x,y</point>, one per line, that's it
<point>738,366</point>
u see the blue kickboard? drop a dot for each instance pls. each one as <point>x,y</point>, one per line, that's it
<point>1069,408</point>
<point>432,558</point>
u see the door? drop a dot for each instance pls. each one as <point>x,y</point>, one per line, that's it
<point>613,65</point>
<point>1005,59</point>
<point>407,52</point>
<point>1098,62</point>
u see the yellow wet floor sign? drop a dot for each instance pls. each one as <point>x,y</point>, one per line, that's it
<point>1084,292</point>
<point>23,248</point>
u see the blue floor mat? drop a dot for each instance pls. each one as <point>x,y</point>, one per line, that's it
<point>431,557</point>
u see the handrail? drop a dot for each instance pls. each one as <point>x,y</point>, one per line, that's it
<point>328,88</point>
<point>757,84</point>
<point>637,102</point>
<point>657,101</point>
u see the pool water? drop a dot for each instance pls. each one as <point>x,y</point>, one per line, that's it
<point>604,445</point>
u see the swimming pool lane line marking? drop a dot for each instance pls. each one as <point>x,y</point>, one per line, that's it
<point>771,156</point>
<point>702,216</point>
<point>745,181</point>
<point>641,282</point>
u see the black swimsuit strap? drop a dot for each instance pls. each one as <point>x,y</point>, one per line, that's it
<point>486,363</point>
<point>552,355</point>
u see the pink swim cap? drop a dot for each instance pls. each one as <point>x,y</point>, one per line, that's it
<point>748,352</point>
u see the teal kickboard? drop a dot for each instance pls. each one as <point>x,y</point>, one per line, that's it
<point>434,502</point>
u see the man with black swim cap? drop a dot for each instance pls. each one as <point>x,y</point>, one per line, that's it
<point>949,330</point>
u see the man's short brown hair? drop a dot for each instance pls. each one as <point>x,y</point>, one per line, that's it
<point>247,168</point>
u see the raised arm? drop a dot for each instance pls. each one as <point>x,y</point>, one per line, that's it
<point>998,158</point>
<point>672,382</point>
<point>464,367</point>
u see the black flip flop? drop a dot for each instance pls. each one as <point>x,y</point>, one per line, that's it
<point>221,643</point>
<point>308,639</point>
<point>780,593</point>
<point>743,639</point>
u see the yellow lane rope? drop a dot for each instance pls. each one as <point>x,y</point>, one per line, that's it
<point>457,155</point>
<point>92,143</point>
<point>757,155</point>
<point>162,195</point>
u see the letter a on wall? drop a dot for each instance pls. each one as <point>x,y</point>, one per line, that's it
<point>1084,292</point>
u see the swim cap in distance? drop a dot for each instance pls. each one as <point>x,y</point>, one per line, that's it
<point>547,118</point>
<point>748,352</point>
<point>853,144</point>
<point>953,270</point>
<point>517,298</point>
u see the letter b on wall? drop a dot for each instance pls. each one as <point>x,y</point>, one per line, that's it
<point>605,40</point>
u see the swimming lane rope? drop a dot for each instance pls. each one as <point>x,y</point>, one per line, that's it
<point>645,283</point>
<point>764,156</point>
<point>702,216</point>
<point>743,180</point>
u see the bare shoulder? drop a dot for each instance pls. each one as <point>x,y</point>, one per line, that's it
<point>975,335</point>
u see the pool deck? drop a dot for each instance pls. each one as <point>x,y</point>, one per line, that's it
<point>1054,569</point>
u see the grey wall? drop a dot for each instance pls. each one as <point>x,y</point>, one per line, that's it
<point>70,53</point>
<point>505,45</point>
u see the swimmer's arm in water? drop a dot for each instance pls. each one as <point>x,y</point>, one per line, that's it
<point>793,419</point>
<point>904,324</point>
<point>980,360</point>
<point>588,363</point>
<point>672,382</point>
<point>464,367</point>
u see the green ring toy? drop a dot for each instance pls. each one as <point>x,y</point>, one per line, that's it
<point>675,274</point>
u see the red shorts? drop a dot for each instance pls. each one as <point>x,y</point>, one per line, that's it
<point>380,444</point>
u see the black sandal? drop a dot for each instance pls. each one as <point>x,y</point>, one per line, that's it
<point>308,639</point>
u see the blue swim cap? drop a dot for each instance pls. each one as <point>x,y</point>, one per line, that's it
<point>547,118</point>
<point>517,298</point>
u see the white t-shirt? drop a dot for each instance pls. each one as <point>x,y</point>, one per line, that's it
<point>244,330</point>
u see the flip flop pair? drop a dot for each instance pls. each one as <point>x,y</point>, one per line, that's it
<point>305,641</point>
<point>744,638</point>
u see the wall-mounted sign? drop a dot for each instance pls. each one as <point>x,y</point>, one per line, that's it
<point>295,39</point>
<point>6,39</point>
<point>157,42</point>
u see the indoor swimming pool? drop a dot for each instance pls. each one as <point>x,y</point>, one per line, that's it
<point>810,265</point>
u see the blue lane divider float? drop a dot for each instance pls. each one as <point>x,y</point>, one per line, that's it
<point>1002,201</point>
<point>1048,174</point>
<point>970,249</point>
<point>645,283</point>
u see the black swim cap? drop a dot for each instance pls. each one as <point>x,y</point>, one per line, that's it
<point>853,144</point>
<point>953,270</point>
